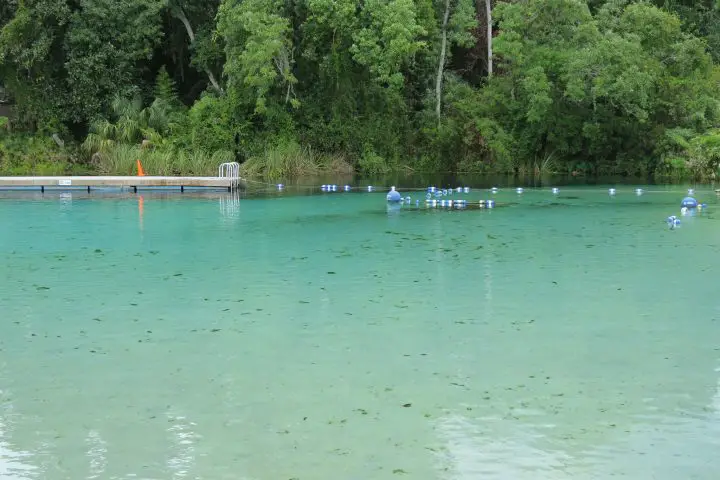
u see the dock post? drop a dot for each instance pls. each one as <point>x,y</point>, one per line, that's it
<point>135,188</point>
<point>88,188</point>
<point>182,188</point>
<point>42,188</point>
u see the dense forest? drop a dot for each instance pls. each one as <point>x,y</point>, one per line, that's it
<point>302,86</point>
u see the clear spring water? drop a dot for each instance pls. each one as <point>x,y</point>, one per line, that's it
<point>327,337</point>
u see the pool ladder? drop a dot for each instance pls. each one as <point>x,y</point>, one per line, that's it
<point>230,170</point>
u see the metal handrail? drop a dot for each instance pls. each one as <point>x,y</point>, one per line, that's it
<point>230,170</point>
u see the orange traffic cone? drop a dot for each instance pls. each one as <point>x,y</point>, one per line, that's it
<point>141,173</point>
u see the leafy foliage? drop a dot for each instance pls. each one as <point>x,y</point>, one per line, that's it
<point>292,86</point>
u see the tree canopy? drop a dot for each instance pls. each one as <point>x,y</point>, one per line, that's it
<point>615,86</point>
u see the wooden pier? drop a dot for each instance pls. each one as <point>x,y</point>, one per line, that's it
<point>133,183</point>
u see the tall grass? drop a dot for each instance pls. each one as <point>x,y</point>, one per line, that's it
<point>122,160</point>
<point>289,159</point>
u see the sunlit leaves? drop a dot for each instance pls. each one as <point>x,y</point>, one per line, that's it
<point>462,21</point>
<point>388,40</point>
<point>258,48</point>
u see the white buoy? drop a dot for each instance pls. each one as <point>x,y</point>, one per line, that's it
<point>347,188</point>
<point>519,190</point>
<point>691,191</point>
<point>494,190</point>
<point>555,190</point>
<point>370,188</point>
<point>280,186</point>
<point>466,189</point>
<point>638,191</point>
<point>611,191</point>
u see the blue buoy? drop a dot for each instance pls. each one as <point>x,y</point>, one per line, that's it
<point>466,190</point>
<point>689,202</point>
<point>394,196</point>
<point>408,200</point>
<point>347,188</point>
<point>431,189</point>
<point>280,186</point>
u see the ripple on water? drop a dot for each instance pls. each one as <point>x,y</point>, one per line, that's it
<point>325,337</point>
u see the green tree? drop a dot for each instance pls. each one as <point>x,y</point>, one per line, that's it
<point>259,49</point>
<point>108,45</point>
<point>32,61</point>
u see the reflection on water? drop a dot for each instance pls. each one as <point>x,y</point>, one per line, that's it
<point>182,440</point>
<point>657,445</point>
<point>332,337</point>
<point>230,205</point>
<point>495,449</point>
<point>14,464</point>
<point>96,454</point>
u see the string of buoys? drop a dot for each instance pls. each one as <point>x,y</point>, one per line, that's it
<point>459,204</point>
<point>331,188</point>
<point>436,197</point>
<point>689,206</point>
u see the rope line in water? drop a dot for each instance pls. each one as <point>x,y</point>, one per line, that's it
<point>334,188</point>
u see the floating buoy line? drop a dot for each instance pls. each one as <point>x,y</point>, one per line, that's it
<point>336,188</point>
<point>446,198</point>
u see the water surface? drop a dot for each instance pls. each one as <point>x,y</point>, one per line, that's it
<point>327,336</point>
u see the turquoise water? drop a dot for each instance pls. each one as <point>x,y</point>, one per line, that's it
<point>328,337</point>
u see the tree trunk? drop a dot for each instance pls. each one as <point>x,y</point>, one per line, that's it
<point>180,14</point>
<point>441,63</point>
<point>488,16</point>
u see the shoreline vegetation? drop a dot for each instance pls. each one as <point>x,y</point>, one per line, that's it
<point>319,87</point>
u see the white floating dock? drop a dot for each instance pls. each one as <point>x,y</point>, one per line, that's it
<point>131,182</point>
